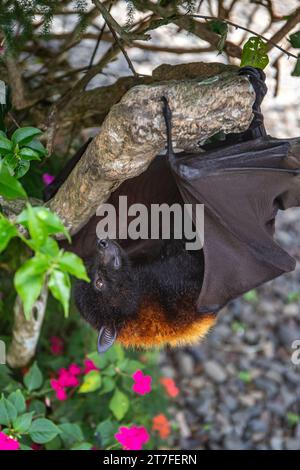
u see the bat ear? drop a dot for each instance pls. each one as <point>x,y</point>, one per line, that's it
<point>106,338</point>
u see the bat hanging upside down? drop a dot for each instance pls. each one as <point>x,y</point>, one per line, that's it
<point>155,292</point>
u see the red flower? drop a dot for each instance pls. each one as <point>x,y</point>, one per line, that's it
<point>169,386</point>
<point>56,346</point>
<point>132,438</point>
<point>35,446</point>
<point>142,384</point>
<point>161,425</point>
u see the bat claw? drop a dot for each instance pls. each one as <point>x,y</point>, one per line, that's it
<point>168,120</point>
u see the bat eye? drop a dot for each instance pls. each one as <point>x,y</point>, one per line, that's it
<point>99,283</point>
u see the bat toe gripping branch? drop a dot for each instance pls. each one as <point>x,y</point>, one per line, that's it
<point>168,120</point>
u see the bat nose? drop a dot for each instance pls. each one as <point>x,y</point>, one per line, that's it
<point>102,244</point>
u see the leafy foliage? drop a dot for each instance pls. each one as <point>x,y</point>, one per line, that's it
<point>91,414</point>
<point>17,153</point>
<point>49,263</point>
<point>23,14</point>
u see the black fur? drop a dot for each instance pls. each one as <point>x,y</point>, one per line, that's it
<point>171,280</point>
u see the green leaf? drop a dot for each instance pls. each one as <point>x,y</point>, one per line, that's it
<point>43,430</point>
<point>50,247</point>
<point>244,376</point>
<point>292,296</point>
<point>10,187</point>
<point>37,229</point>
<point>21,168</point>
<point>255,53</point>
<point>29,154</point>
<point>71,433</point>
<point>60,287</point>
<point>54,444</point>
<point>11,161</point>
<point>6,145</point>
<point>7,232</point>
<point>296,71</point>
<point>107,430</point>
<point>18,400</point>
<point>43,222</point>
<point>295,40</point>
<point>22,423</point>
<point>251,296</point>
<point>8,412</point>
<point>292,418</point>
<point>73,265</point>
<point>33,380</point>
<point>24,135</point>
<point>37,407</point>
<point>82,446</point>
<point>37,146</point>
<point>91,382</point>
<point>119,404</point>
<point>29,280</point>
<point>108,384</point>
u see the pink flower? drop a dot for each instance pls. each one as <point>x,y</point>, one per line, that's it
<point>60,391</point>
<point>66,379</point>
<point>142,383</point>
<point>89,365</point>
<point>47,179</point>
<point>8,443</point>
<point>74,369</point>
<point>132,438</point>
<point>56,345</point>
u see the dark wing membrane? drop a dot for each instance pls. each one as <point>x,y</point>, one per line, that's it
<point>241,187</point>
<point>155,186</point>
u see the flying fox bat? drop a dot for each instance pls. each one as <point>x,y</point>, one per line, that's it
<point>155,292</point>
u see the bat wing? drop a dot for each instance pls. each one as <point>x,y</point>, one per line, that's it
<point>155,186</point>
<point>242,187</point>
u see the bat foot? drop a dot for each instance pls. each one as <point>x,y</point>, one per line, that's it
<point>168,120</point>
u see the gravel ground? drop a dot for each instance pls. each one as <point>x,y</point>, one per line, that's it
<point>239,388</point>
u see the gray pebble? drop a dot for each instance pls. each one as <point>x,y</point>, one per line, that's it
<point>215,371</point>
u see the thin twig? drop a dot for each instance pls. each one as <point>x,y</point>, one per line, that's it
<point>114,26</point>
<point>268,41</point>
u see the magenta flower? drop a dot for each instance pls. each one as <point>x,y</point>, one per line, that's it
<point>88,366</point>
<point>47,178</point>
<point>59,389</point>
<point>132,438</point>
<point>8,443</point>
<point>142,384</point>
<point>74,369</point>
<point>56,346</point>
<point>66,379</point>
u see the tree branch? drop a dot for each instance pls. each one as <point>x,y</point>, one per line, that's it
<point>133,133</point>
<point>26,333</point>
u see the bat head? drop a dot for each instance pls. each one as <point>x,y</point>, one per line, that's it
<point>111,298</point>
